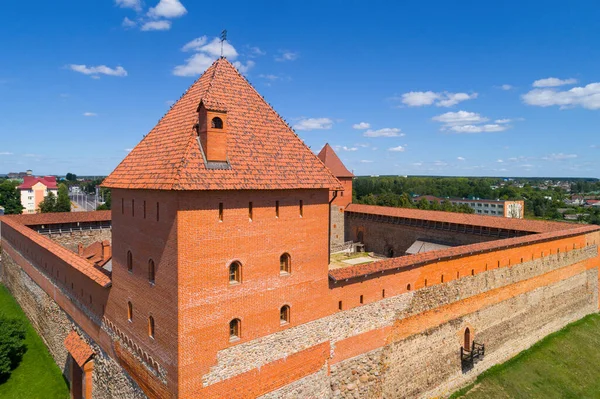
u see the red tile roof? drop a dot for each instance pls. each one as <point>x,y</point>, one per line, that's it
<point>532,226</point>
<point>410,261</point>
<point>30,181</point>
<point>333,162</point>
<point>78,348</point>
<point>99,253</point>
<point>263,151</point>
<point>36,219</point>
<point>19,223</point>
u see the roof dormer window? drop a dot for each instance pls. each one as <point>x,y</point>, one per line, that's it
<point>216,123</point>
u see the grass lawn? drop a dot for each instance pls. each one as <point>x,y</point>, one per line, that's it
<point>37,376</point>
<point>565,364</point>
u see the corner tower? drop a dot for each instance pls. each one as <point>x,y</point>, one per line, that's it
<point>219,231</point>
<point>341,199</point>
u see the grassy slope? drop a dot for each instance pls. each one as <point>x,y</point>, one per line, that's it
<point>37,376</point>
<point>565,364</point>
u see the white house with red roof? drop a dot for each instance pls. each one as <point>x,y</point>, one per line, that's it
<point>34,190</point>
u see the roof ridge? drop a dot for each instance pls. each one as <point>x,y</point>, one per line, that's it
<point>175,183</point>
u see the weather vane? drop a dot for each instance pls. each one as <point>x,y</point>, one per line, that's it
<point>223,38</point>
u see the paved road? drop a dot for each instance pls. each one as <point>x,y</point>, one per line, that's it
<point>81,202</point>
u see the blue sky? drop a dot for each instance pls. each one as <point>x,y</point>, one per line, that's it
<point>428,87</point>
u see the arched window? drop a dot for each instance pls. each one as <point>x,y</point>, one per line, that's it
<point>216,123</point>
<point>467,343</point>
<point>129,311</point>
<point>360,236</point>
<point>151,327</point>
<point>151,271</point>
<point>408,287</point>
<point>235,329</point>
<point>235,273</point>
<point>284,314</point>
<point>129,261</point>
<point>285,264</point>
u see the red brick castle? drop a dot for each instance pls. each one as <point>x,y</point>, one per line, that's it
<point>222,284</point>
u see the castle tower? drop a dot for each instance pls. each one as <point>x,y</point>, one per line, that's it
<point>342,198</point>
<point>219,225</point>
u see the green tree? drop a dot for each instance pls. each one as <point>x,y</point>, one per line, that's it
<point>63,203</point>
<point>12,344</point>
<point>10,198</point>
<point>423,204</point>
<point>71,177</point>
<point>48,204</point>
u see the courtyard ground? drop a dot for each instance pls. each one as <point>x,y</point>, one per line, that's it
<point>37,376</point>
<point>565,364</point>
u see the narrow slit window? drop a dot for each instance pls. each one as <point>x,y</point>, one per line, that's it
<point>340,305</point>
<point>129,311</point>
<point>122,206</point>
<point>235,329</point>
<point>157,211</point>
<point>284,315</point>
<point>408,287</point>
<point>276,209</point>
<point>250,211</point>
<point>285,264</point>
<point>132,207</point>
<point>235,273</point>
<point>144,209</point>
<point>151,271</point>
<point>362,299</point>
<point>151,327</point>
<point>301,208</point>
<point>383,293</point>
<point>129,261</point>
<point>220,211</point>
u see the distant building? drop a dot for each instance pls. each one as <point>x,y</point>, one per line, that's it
<point>34,190</point>
<point>18,175</point>
<point>1,210</point>
<point>502,208</point>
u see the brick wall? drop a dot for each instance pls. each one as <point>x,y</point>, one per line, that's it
<point>381,237</point>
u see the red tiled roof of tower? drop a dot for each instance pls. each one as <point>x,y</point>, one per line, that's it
<point>263,151</point>
<point>333,162</point>
<point>531,226</point>
<point>78,348</point>
<point>30,181</point>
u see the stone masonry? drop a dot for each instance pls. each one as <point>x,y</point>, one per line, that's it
<point>53,325</point>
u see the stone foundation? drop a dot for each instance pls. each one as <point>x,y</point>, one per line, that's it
<point>53,325</point>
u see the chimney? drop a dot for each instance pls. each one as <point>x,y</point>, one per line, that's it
<point>106,250</point>
<point>212,130</point>
<point>80,249</point>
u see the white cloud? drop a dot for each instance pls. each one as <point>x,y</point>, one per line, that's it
<point>244,68</point>
<point>500,161</point>
<point>167,9</point>
<point>361,125</point>
<point>349,148</point>
<point>366,161</point>
<point>90,114</point>
<point>156,25</point>
<point>501,121</point>
<point>256,51</point>
<point>269,77</point>
<point>469,122</point>
<point>285,55</point>
<point>135,4</point>
<point>461,159</point>
<point>314,124</point>
<point>478,128</point>
<point>559,157</point>
<point>194,65</point>
<point>441,99</point>
<point>397,149</point>
<point>385,132</point>
<point>98,70</point>
<point>460,118</point>
<point>207,52</point>
<point>553,82</point>
<point>587,97</point>
<point>128,23</point>
<point>506,87</point>
<point>6,153</point>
